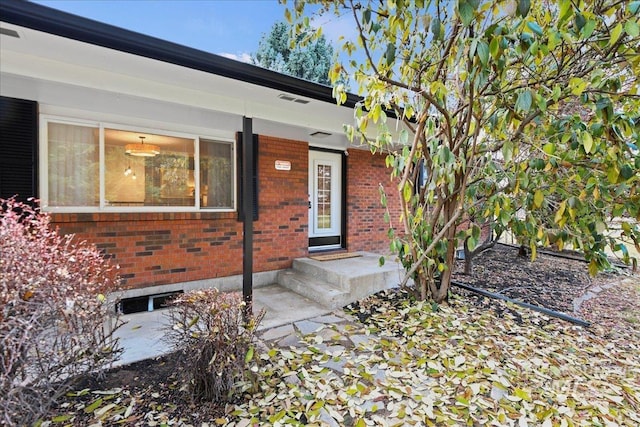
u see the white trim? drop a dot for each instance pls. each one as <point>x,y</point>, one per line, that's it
<point>212,135</point>
<point>102,168</point>
<point>333,160</point>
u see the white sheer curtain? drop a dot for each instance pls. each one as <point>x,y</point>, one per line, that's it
<point>73,157</point>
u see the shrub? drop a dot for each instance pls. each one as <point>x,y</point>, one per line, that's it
<point>215,341</point>
<point>55,321</point>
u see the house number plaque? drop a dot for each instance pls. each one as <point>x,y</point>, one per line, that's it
<point>283,165</point>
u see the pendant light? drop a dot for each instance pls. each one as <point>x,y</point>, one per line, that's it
<point>141,149</point>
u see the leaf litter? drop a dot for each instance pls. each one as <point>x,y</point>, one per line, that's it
<point>394,361</point>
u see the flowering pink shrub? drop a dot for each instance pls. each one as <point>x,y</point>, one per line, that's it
<point>55,321</point>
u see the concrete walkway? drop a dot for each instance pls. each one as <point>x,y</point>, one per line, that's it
<point>142,336</point>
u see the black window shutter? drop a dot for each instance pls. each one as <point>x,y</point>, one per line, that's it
<point>18,148</point>
<point>254,168</point>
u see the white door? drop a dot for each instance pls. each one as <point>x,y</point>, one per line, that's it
<point>325,207</point>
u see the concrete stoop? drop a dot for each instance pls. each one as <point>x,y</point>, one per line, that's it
<point>337,283</point>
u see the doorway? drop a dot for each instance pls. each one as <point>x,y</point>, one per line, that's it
<point>326,204</point>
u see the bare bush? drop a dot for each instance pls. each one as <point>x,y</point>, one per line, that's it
<point>55,321</point>
<point>215,341</point>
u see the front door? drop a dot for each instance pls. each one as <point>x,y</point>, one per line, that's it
<point>325,200</point>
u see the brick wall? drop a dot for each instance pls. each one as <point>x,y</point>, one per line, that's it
<point>366,229</point>
<point>281,232</point>
<point>164,248</point>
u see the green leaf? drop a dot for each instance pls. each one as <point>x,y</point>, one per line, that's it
<point>62,418</point>
<point>390,54</point>
<point>435,28</point>
<point>95,405</point>
<point>494,47</point>
<point>523,7</point>
<point>249,356</point>
<point>533,26</point>
<point>633,7</point>
<point>366,16</point>
<point>615,34</point>
<point>381,261</point>
<point>407,192</point>
<point>565,9</point>
<point>507,151</point>
<point>466,12</point>
<point>523,103</point>
<point>626,172</point>
<point>631,28</point>
<point>538,198</point>
<point>483,52</point>
<point>593,268</point>
<point>612,174</point>
<point>588,28</point>
<point>587,141</point>
<point>549,148</point>
<point>577,85</point>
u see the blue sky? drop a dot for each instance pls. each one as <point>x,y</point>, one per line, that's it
<point>232,28</point>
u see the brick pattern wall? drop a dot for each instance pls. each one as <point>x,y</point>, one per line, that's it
<point>162,248</point>
<point>281,233</point>
<point>366,229</point>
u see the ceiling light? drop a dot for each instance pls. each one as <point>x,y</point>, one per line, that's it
<point>141,149</point>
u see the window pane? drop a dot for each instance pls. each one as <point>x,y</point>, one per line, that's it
<point>216,174</point>
<point>136,176</point>
<point>324,197</point>
<point>74,173</point>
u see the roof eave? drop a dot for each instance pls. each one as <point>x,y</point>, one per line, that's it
<point>56,22</point>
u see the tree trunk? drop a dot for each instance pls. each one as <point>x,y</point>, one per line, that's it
<point>469,255</point>
<point>440,293</point>
<point>468,261</point>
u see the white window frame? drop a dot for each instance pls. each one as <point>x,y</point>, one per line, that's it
<point>43,144</point>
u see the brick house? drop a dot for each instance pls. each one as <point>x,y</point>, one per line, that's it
<point>138,144</point>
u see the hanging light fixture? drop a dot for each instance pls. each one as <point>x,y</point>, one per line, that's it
<point>127,170</point>
<point>141,149</point>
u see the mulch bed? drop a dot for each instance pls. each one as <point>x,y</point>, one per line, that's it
<point>549,281</point>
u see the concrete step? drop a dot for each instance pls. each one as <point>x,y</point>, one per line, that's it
<point>339,282</point>
<point>315,289</point>
<point>360,276</point>
<point>322,271</point>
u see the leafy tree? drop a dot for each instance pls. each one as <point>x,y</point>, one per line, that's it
<point>280,52</point>
<point>523,115</point>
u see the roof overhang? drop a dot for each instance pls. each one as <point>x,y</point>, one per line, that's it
<point>64,48</point>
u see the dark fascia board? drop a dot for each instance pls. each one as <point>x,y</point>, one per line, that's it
<point>56,22</point>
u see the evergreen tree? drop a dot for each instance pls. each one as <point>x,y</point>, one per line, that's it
<point>279,51</point>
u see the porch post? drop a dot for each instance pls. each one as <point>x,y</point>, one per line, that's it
<point>247,208</point>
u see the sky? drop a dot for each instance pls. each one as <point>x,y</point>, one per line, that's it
<point>232,28</point>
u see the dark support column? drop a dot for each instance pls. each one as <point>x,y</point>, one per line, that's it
<point>247,208</point>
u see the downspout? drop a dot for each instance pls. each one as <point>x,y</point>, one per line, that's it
<point>247,208</point>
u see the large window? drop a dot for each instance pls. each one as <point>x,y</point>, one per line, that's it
<point>92,167</point>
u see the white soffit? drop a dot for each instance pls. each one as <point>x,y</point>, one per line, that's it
<point>48,57</point>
